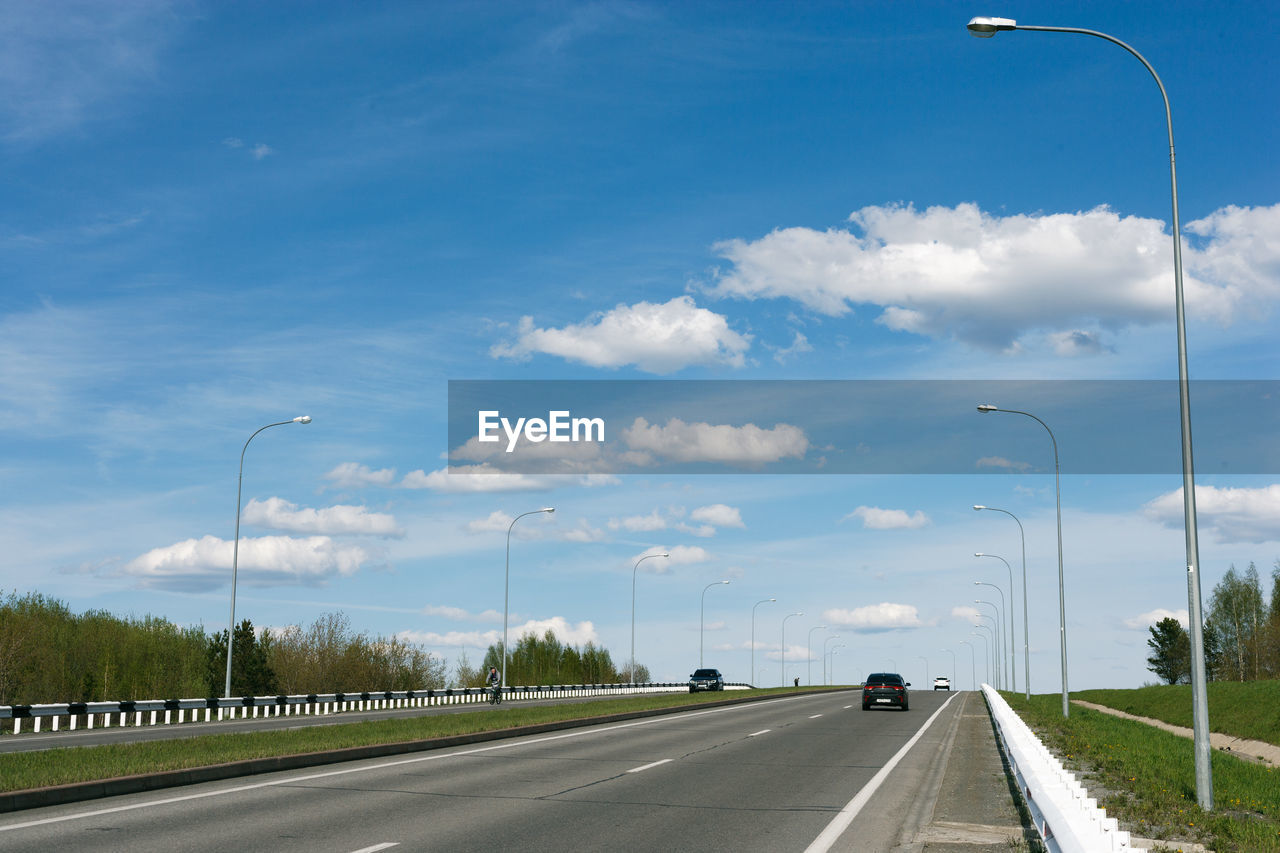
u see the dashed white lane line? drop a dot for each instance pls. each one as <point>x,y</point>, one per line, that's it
<point>375,848</point>
<point>761,732</point>
<point>815,716</point>
<point>647,766</point>
<point>847,707</point>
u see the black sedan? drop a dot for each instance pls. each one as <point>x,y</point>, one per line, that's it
<point>884,689</point>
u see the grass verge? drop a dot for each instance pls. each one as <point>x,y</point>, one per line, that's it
<point>1240,709</point>
<point>20,771</point>
<point>1146,778</point>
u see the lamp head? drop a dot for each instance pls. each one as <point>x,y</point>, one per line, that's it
<point>987,407</point>
<point>985,28</point>
<point>664,555</point>
<point>978,506</point>
<point>547,509</point>
<point>303,419</point>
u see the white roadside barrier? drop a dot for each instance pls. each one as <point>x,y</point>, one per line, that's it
<point>151,712</point>
<point>1066,817</point>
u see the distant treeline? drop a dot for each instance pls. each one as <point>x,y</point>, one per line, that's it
<point>49,654</point>
<point>546,660</point>
<point>1241,633</point>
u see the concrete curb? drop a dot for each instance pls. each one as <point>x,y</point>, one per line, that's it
<point>79,791</point>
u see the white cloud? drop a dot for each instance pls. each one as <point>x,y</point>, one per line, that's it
<point>681,555</point>
<point>261,150</point>
<point>702,442</point>
<point>452,639</point>
<point>279,514</point>
<point>799,344</point>
<point>1143,621</point>
<point>1001,462</point>
<point>875,518</point>
<point>652,521</point>
<point>351,475</point>
<point>989,280</point>
<point>457,614</point>
<point>876,617</point>
<point>720,515</point>
<point>484,478</point>
<point>702,531</point>
<point>205,563</point>
<point>564,631</point>
<point>1235,515</point>
<point>965,613</point>
<point>655,338</point>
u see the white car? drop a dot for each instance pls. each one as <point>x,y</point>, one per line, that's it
<point>942,683</point>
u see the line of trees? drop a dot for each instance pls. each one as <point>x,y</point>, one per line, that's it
<point>1241,633</point>
<point>49,654</point>
<point>545,660</point>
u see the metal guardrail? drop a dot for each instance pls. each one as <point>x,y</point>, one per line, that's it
<point>162,711</point>
<point>1066,817</point>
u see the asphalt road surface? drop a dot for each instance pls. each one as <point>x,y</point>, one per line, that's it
<point>811,772</point>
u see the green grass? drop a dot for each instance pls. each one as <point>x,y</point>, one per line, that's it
<point>25,770</point>
<point>1146,778</point>
<point>1240,709</point>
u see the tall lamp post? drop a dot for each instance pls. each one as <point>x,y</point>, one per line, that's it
<point>631,674</point>
<point>993,649</point>
<point>999,632</point>
<point>1026,636</point>
<point>702,624</point>
<point>1013,614</point>
<point>753,630</point>
<point>784,645</point>
<point>829,667</point>
<point>506,586</point>
<point>235,548</point>
<point>973,666</point>
<point>1057,495</point>
<point>986,28</point>
<point>809,650</point>
<point>986,646</point>
<point>1004,610</point>
<point>824,654</point>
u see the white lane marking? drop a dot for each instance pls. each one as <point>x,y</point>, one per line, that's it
<point>841,822</point>
<point>847,707</point>
<point>654,764</point>
<point>815,716</point>
<point>375,848</point>
<point>761,732</point>
<point>437,756</point>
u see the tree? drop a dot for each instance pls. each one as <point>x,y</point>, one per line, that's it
<point>1170,646</point>
<point>1236,612</point>
<point>251,674</point>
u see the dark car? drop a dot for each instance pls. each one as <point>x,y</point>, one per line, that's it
<point>884,689</point>
<point>706,679</point>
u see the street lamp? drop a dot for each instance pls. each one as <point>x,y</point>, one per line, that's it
<point>973,667</point>
<point>999,638</point>
<point>986,645</point>
<point>829,665</point>
<point>994,649</point>
<point>824,653</point>
<point>631,675</point>
<point>784,645</point>
<point>235,548</point>
<point>809,651</point>
<point>1057,494</point>
<point>1005,611</point>
<point>1026,641</point>
<point>753,631</point>
<point>1012,611</point>
<point>506,586</point>
<point>702,626</point>
<point>986,28</point>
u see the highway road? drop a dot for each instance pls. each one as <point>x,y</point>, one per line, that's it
<point>796,773</point>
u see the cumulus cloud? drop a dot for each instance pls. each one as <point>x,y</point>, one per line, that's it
<point>351,475</point>
<point>989,280</point>
<point>1143,621</point>
<point>261,150</point>
<point>702,442</point>
<point>205,563</point>
<point>567,633</point>
<point>457,614</point>
<point>875,518</point>
<point>655,338</point>
<point>484,478</point>
<point>279,514</point>
<point>1001,462</point>
<point>720,515</point>
<point>681,555</point>
<point>965,613</point>
<point>876,617</point>
<point>652,521</point>
<point>1235,515</point>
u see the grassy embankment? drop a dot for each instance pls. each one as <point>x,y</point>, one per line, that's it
<point>25,770</point>
<point>1146,777</point>
<point>1240,709</point>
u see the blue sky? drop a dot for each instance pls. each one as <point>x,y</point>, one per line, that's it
<point>218,216</point>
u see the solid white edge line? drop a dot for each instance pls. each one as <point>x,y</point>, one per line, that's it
<point>761,732</point>
<point>647,766</point>
<point>434,756</point>
<point>375,848</point>
<point>841,822</point>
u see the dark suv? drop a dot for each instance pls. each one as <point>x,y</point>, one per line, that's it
<point>884,688</point>
<point>706,679</point>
